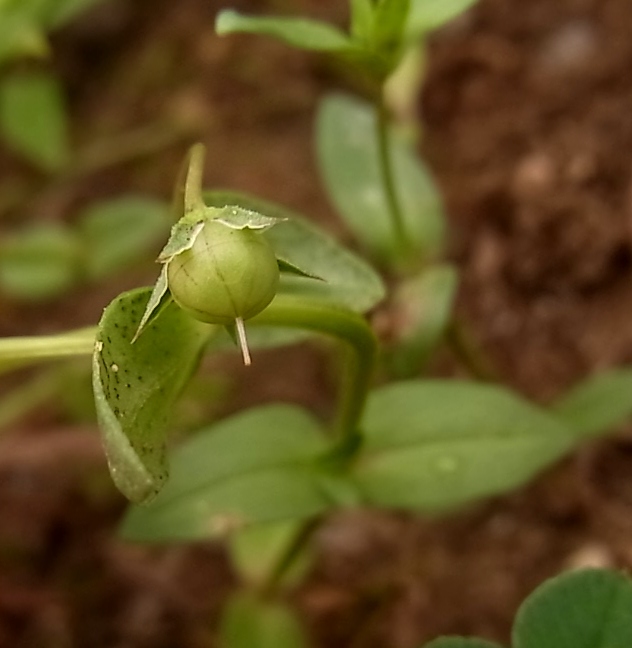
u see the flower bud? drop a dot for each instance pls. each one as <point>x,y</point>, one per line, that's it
<point>227,275</point>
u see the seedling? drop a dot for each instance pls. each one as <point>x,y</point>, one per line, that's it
<point>42,261</point>
<point>267,477</point>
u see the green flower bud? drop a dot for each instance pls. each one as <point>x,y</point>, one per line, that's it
<point>227,275</point>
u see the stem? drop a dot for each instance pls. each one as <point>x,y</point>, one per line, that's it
<point>345,325</point>
<point>20,351</point>
<point>271,585</point>
<point>243,340</point>
<point>469,353</point>
<point>23,399</point>
<point>388,179</point>
<point>193,180</point>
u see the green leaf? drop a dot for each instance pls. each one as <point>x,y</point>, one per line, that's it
<point>117,233</point>
<point>159,299</point>
<point>256,467</point>
<point>63,11</point>
<point>20,36</point>
<point>297,32</point>
<point>461,642</point>
<point>389,22</point>
<point>342,276</point>
<point>582,609</point>
<point>136,385</point>
<point>422,308</point>
<point>434,445</point>
<point>33,118</point>
<point>362,20</point>
<point>598,404</point>
<point>348,155</point>
<point>182,237</point>
<point>427,15</point>
<point>39,263</point>
<point>249,621</point>
<point>240,218</point>
<point>256,551</point>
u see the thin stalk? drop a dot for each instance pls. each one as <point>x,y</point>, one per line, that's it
<point>387,173</point>
<point>287,558</point>
<point>23,399</point>
<point>469,354</point>
<point>345,325</point>
<point>21,351</point>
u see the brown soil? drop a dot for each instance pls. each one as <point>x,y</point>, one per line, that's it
<point>526,108</point>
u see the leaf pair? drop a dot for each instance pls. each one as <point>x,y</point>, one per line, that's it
<point>378,28</point>
<point>429,446</point>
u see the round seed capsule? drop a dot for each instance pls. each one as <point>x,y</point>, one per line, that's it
<point>228,274</point>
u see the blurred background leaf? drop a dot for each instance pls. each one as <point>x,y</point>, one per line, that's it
<point>33,118</point>
<point>39,263</point>
<point>118,233</point>
<point>348,156</point>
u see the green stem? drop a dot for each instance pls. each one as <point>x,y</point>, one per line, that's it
<point>469,354</point>
<point>287,558</point>
<point>21,351</point>
<point>387,172</point>
<point>23,399</point>
<point>345,325</point>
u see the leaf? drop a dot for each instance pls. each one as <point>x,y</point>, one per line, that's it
<point>342,276</point>
<point>249,621</point>
<point>183,235</point>
<point>118,232</point>
<point>159,299</point>
<point>582,609</point>
<point>427,15</point>
<point>598,404</point>
<point>434,445</point>
<point>362,20</point>
<point>297,32</point>
<point>239,218</point>
<point>136,385</point>
<point>348,156</point>
<point>256,467</point>
<point>20,36</point>
<point>389,21</point>
<point>63,11</point>
<point>461,642</point>
<point>39,263</point>
<point>33,119</point>
<point>256,551</point>
<point>422,308</point>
